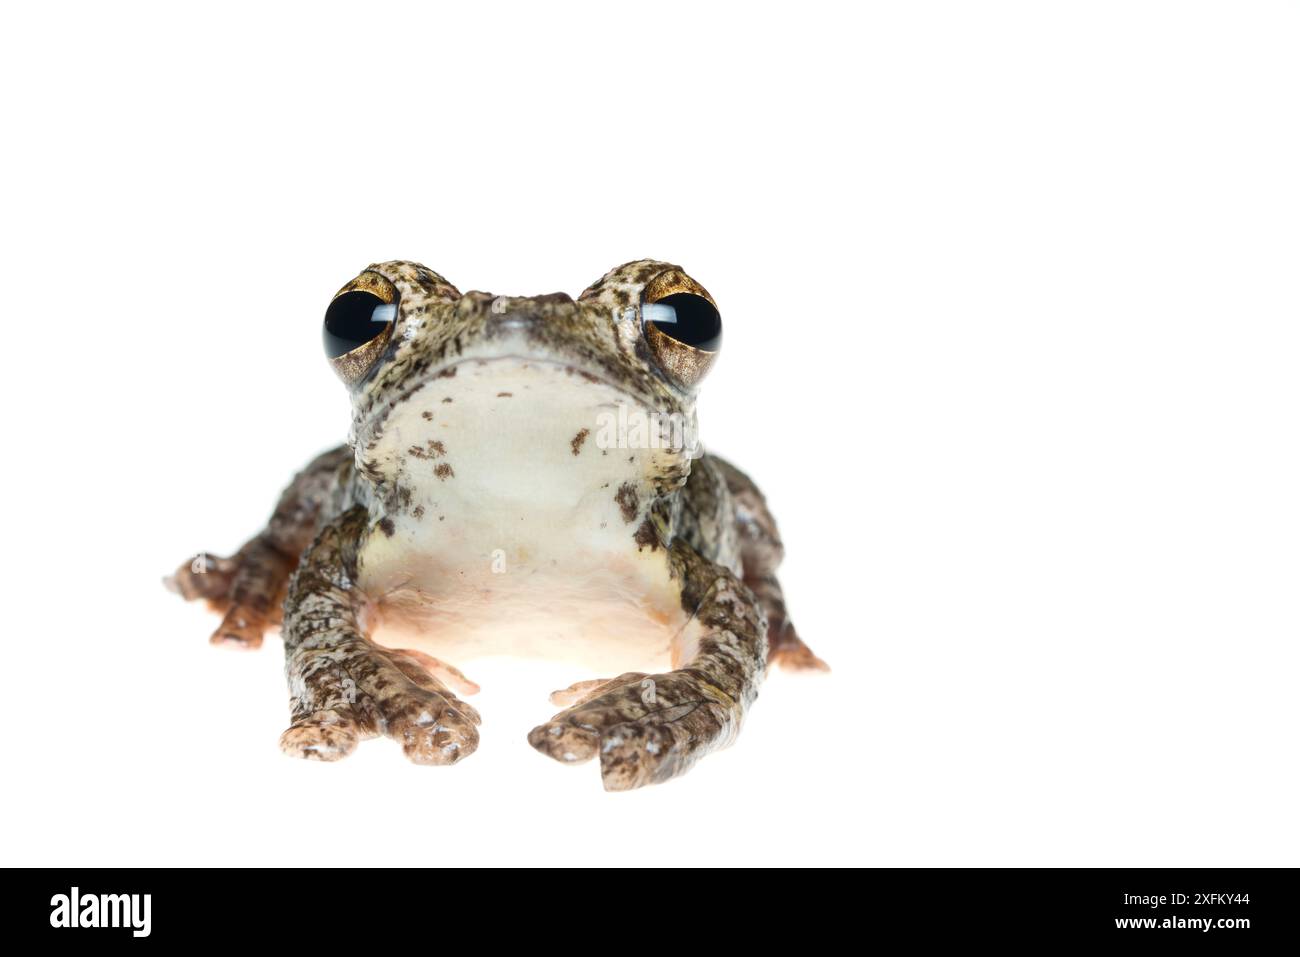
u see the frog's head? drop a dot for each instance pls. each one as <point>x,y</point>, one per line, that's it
<point>506,395</point>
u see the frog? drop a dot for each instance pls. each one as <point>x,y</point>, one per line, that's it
<point>522,476</point>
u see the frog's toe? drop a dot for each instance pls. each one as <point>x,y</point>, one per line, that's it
<point>203,576</point>
<point>582,691</point>
<point>787,649</point>
<point>321,736</point>
<point>432,728</point>
<point>635,754</point>
<point>564,741</point>
<point>240,628</point>
<point>419,666</point>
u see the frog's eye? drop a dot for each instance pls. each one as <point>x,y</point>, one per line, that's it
<point>682,327</point>
<point>358,324</point>
<point>355,318</point>
<point>691,320</point>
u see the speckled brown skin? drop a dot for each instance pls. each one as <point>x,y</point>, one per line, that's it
<point>344,688</point>
<point>700,520</point>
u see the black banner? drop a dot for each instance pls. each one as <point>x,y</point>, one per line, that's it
<point>133,908</point>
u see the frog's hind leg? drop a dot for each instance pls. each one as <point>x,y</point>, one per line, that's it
<point>248,588</point>
<point>761,552</point>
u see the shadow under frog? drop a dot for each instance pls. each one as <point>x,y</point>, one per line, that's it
<point>478,508</point>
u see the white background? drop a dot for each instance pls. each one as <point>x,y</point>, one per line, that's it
<point>1011,299</point>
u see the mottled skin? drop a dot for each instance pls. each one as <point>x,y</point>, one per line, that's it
<point>368,531</point>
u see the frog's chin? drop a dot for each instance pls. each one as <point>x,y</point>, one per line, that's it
<point>518,429</point>
<point>574,379</point>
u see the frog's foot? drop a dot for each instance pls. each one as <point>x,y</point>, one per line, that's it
<point>241,627</point>
<point>360,691</point>
<point>203,577</point>
<point>645,728</point>
<point>247,588</point>
<point>786,648</point>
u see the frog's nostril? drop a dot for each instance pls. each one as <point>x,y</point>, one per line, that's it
<point>504,319</point>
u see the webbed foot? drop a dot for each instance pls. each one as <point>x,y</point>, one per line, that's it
<point>645,728</point>
<point>360,690</point>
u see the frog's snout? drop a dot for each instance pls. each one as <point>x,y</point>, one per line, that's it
<point>511,313</point>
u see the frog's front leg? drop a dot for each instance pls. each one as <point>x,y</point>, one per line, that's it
<point>649,728</point>
<point>342,686</point>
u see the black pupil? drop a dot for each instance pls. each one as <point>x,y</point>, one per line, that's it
<point>352,320</point>
<point>697,322</point>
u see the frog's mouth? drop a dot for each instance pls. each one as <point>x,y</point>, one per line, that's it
<point>513,424</point>
<point>441,381</point>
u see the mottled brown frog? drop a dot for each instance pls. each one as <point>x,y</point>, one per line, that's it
<point>521,477</point>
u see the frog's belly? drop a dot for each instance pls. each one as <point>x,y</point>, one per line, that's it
<point>609,619</point>
<point>516,530</point>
